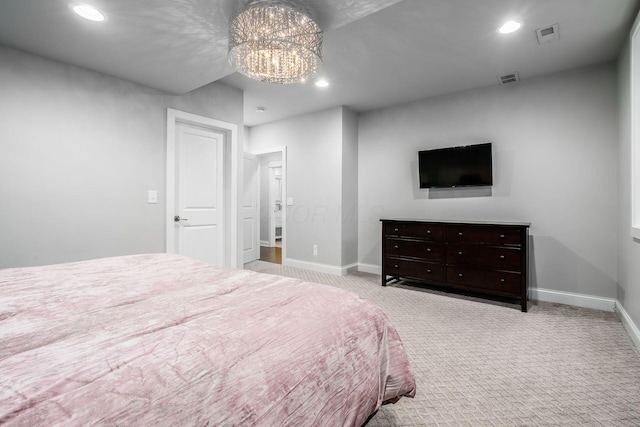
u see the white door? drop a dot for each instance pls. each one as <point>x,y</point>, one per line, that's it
<point>199,198</point>
<point>250,218</point>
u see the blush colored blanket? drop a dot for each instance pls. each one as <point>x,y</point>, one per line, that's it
<point>167,340</point>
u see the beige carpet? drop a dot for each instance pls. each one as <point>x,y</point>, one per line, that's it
<point>482,363</point>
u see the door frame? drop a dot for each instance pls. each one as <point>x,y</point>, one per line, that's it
<point>283,155</point>
<point>230,186</point>
<point>256,204</point>
<point>272,166</point>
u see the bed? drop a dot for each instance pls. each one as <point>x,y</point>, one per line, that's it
<point>163,339</point>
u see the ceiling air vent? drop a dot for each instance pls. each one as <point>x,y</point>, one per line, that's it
<point>508,78</point>
<point>548,34</point>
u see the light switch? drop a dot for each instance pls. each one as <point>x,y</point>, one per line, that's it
<point>289,201</point>
<point>153,196</point>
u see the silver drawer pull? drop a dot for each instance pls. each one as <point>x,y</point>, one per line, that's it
<point>428,271</point>
<point>460,275</point>
<point>460,233</point>
<point>460,253</point>
<point>428,249</point>
<point>395,266</point>
<point>501,256</point>
<point>396,230</point>
<point>502,280</point>
<point>502,236</point>
<point>428,231</point>
<point>396,246</point>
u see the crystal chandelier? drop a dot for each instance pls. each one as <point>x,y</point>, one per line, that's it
<point>275,42</point>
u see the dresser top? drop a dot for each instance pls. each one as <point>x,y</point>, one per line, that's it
<point>447,221</point>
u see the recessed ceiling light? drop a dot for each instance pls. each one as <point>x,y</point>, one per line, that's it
<point>322,83</point>
<point>510,27</point>
<point>88,12</point>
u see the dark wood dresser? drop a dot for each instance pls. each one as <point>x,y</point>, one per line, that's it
<point>487,258</point>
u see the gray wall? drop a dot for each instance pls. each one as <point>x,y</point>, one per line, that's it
<point>555,165</point>
<point>628,248</point>
<point>349,201</point>
<point>79,151</point>
<point>314,181</point>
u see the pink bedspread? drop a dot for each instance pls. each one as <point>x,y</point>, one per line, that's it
<point>161,339</point>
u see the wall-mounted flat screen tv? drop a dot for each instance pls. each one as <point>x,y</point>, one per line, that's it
<point>464,166</point>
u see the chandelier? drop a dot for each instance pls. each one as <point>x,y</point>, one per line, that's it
<point>275,42</point>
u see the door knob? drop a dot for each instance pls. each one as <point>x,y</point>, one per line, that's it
<point>177,218</point>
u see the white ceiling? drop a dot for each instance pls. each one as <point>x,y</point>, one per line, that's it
<point>377,53</point>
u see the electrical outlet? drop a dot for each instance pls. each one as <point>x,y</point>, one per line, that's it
<point>152,196</point>
<point>315,250</point>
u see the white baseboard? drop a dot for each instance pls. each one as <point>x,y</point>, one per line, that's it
<point>632,328</point>
<point>569,298</point>
<point>264,243</point>
<point>322,268</point>
<point>370,268</point>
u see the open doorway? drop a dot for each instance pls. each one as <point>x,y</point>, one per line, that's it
<point>272,204</point>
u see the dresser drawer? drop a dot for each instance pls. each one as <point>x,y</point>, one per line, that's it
<point>420,249</point>
<point>407,268</point>
<point>433,232</point>
<point>507,283</point>
<point>496,257</point>
<point>483,234</point>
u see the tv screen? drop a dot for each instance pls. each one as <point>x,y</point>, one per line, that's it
<point>465,166</point>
